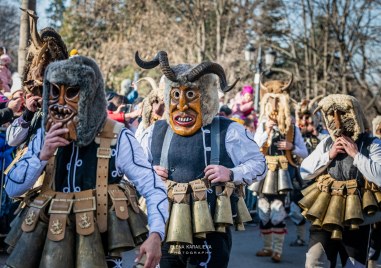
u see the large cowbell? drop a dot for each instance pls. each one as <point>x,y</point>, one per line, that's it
<point>120,238</point>
<point>180,222</point>
<point>24,255</point>
<point>16,231</point>
<point>223,215</point>
<point>284,179</point>
<point>270,184</point>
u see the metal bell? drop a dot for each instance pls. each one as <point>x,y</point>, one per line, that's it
<point>308,200</point>
<point>369,203</point>
<point>284,181</point>
<point>180,224</point>
<point>270,184</point>
<point>59,254</point>
<point>377,195</point>
<point>202,221</point>
<point>353,212</point>
<point>223,213</point>
<point>317,223</point>
<point>308,189</point>
<point>239,226</point>
<point>333,220</point>
<point>319,207</point>
<point>256,187</point>
<point>28,250</point>
<point>243,214</point>
<point>119,235</point>
<point>15,233</point>
<point>90,253</point>
<point>137,222</point>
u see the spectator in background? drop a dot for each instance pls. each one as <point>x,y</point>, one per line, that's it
<point>5,73</point>
<point>120,110</point>
<point>225,111</point>
<point>244,105</point>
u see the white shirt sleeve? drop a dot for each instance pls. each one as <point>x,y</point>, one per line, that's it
<point>16,134</point>
<point>300,147</point>
<point>145,140</point>
<point>250,163</point>
<point>370,167</point>
<point>26,171</point>
<point>261,135</point>
<point>132,162</point>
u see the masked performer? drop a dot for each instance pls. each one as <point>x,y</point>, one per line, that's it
<point>375,237</point>
<point>153,105</point>
<point>279,140</point>
<point>45,47</point>
<point>347,169</point>
<point>84,156</point>
<point>192,144</point>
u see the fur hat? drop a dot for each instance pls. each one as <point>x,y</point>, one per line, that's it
<point>353,112</point>
<point>204,76</point>
<point>82,72</point>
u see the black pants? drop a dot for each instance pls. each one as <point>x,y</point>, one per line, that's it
<point>354,244</point>
<point>214,252</point>
<point>375,241</point>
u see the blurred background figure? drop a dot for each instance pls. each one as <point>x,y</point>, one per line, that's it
<point>244,105</point>
<point>5,73</point>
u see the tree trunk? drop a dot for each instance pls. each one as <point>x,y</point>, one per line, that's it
<point>24,34</point>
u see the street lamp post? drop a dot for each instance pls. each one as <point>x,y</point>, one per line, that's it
<point>269,61</point>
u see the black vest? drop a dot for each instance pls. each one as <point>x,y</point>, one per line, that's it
<point>341,168</point>
<point>276,137</point>
<point>186,160</point>
<point>76,168</point>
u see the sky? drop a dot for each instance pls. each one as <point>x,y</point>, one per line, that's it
<point>41,7</point>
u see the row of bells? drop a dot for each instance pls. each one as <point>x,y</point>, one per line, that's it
<point>196,220</point>
<point>333,212</point>
<point>275,182</point>
<point>74,250</point>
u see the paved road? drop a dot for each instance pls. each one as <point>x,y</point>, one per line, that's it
<point>245,244</point>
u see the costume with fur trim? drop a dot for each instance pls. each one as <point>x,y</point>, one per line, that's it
<point>342,178</point>
<point>84,182</point>
<point>191,102</point>
<point>275,106</point>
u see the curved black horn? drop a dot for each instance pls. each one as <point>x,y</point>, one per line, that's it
<point>160,58</point>
<point>146,64</point>
<point>210,68</point>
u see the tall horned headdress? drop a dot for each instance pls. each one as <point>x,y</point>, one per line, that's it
<point>203,76</point>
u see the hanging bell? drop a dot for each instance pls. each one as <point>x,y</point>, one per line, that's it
<point>270,184</point>
<point>284,181</point>
<point>136,222</point>
<point>223,214</point>
<point>243,214</point>
<point>309,188</point>
<point>15,233</point>
<point>333,220</point>
<point>28,250</point>
<point>180,229</point>
<point>119,235</point>
<point>353,212</point>
<point>180,222</point>
<point>369,203</point>
<point>202,221</point>
<point>317,223</point>
<point>90,253</point>
<point>59,254</point>
<point>308,200</point>
<point>319,207</point>
<point>377,196</point>
<point>256,187</point>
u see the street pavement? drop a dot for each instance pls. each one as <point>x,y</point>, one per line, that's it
<point>245,244</point>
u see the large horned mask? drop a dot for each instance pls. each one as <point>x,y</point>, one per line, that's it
<point>275,103</point>
<point>190,95</point>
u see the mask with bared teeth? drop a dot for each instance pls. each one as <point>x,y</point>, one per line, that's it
<point>191,92</point>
